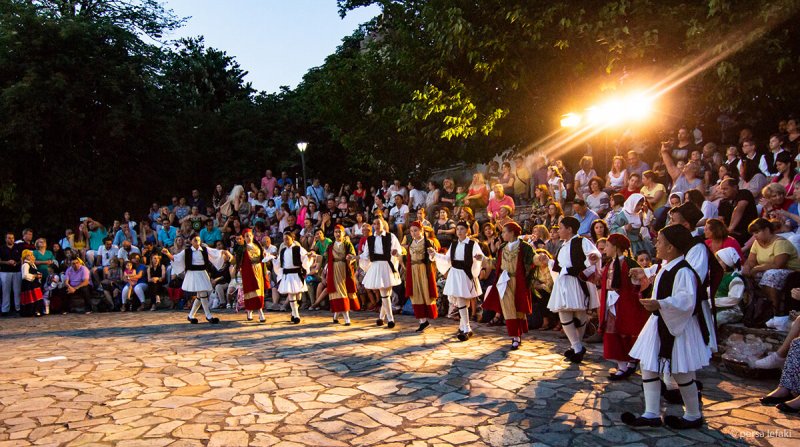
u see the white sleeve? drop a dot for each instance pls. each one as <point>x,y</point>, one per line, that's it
<point>178,263</point>
<point>26,272</point>
<point>363,258</point>
<point>306,260</point>
<point>216,258</point>
<point>677,309</point>
<point>442,261</point>
<point>762,166</point>
<point>697,257</point>
<point>476,265</point>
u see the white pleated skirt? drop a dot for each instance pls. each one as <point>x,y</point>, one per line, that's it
<point>291,284</point>
<point>459,285</point>
<point>379,275</point>
<point>196,281</point>
<point>568,295</point>
<point>690,353</point>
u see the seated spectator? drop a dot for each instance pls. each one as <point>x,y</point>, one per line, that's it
<point>774,201</point>
<point>709,209</point>
<point>785,165</point>
<point>585,216</point>
<point>632,186</point>
<point>616,203</point>
<point>786,397</point>
<point>682,180</point>
<point>751,178</point>
<point>506,178</point>
<point>731,288</point>
<point>499,200</point>
<point>617,177</point>
<point>635,165</point>
<point>631,223</point>
<point>583,176</point>
<point>597,199</point>
<point>717,238</point>
<point>167,234</point>
<point>771,260</point>
<point>210,234</point>
<point>554,215</point>
<point>737,208</point>
<point>77,284</point>
<point>599,231</point>
<point>478,195</point>
<point>398,216</point>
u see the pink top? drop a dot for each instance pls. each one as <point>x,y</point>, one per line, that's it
<point>790,186</point>
<point>729,242</point>
<point>494,205</point>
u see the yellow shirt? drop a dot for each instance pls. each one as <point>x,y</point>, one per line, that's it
<point>649,193</point>
<point>779,246</point>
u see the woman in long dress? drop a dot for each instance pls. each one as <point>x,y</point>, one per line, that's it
<point>421,277</point>
<point>340,278</point>
<point>255,278</point>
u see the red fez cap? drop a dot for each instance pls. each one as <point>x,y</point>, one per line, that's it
<point>513,226</point>
<point>619,240</point>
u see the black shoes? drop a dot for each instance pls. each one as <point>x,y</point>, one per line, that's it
<point>575,357</point>
<point>785,408</point>
<point>464,336</point>
<point>625,374</point>
<point>632,420</point>
<point>347,324</point>
<point>423,326</point>
<point>295,320</point>
<point>335,321</point>
<point>192,320</point>
<point>390,325</point>
<point>378,322</point>
<point>772,400</point>
<point>515,344</point>
<point>213,320</point>
<point>679,423</point>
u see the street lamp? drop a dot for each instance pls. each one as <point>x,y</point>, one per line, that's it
<point>301,146</point>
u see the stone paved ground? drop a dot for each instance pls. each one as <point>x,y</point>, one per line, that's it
<point>151,379</point>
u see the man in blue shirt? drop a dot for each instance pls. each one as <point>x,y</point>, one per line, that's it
<point>210,234</point>
<point>316,192</point>
<point>585,216</point>
<point>284,180</point>
<point>166,235</point>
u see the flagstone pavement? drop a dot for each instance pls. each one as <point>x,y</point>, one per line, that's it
<point>151,379</point>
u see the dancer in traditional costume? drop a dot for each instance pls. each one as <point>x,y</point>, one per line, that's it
<point>673,338</point>
<point>291,266</point>
<point>255,278</point>
<point>340,279</point>
<point>710,272</point>
<point>196,261</point>
<point>511,293</point>
<point>573,295</point>
<point>463,261</point>
<point>421,276</point>
<point>379,260</point>
<point>31,302</point>
<point>622,316</point>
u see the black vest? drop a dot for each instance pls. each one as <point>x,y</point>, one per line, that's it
<point>576,257</point>
<point>188,260</point>
<point>665,284</point>
<point>386,242</point>
<point>295,259</point>
<point>466,264</point>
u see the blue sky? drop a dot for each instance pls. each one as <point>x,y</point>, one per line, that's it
<point>276,41</point>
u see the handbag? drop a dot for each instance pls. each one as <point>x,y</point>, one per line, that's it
<point>757,312</point>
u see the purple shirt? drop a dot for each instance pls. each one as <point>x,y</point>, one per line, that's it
<point>76,277</point>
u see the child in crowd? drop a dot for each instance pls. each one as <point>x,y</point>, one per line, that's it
<point>112,280</point>
<point>128,275</point>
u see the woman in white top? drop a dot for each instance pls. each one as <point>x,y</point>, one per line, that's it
<point>618,175</point>
<point>583,176</point>
<point>555,184</point>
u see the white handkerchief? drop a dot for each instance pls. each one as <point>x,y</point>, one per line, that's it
<point>502,284</point>
<point>611,300</point>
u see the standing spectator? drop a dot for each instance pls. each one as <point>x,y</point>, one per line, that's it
<point>43,258</point>
<point>522,179</point>
<point>775,149</point>
<point>315,191</point>
<point>417,197</point>
<point>555,182</point>
<point>584,215</point>
<point>751,153</point>
<point>792,138</point>
<point>499,200</point>
<point>219,196</point>
<point>737,208</point>
<point>635,165</point>
<point>268,183</point>
<point>583,176</point>
<point>10,273</point>
<point>77,285</point>
<point>284,181</point>
<point>506,178</point>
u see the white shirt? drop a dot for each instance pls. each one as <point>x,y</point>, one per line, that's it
<point>398,213</point>
<point>107,254</point>
<point>677,309</point>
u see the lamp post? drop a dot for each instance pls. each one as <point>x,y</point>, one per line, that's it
<point>301,146</point>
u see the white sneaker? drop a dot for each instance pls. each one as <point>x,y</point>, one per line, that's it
<point>779,323</point>
<point>771,361</point>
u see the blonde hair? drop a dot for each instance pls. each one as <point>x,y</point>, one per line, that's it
<point>235,192</point>
<point>25,254</point>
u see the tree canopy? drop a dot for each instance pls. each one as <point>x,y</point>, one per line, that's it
<point>99,115</point>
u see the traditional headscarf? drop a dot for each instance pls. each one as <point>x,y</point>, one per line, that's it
<point>513,227</point>
<point>629,208</point>
<point>620,241</point>
<point>690,212</point>
<point>679,237</point>
<point>730,257</point>
<point>571,222</point>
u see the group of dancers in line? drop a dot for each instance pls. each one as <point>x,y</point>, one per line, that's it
<point>668,333</point>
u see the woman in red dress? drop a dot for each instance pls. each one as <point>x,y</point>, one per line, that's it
<point>255,279</point>
<point>621,315</point>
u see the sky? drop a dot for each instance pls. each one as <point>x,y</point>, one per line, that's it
<point>276,41</point>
